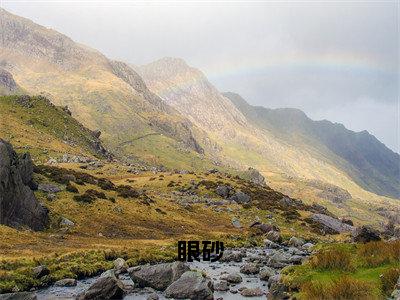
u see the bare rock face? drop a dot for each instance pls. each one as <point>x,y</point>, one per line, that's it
<point>18,204</point>
<point>7,81</point>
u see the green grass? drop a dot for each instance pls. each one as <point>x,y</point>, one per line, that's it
<point>354,274</point>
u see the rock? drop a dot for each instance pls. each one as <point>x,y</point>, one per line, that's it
<point>274,279</point>
<point>347,221</point>
<point>296,242</point>
<point>255,176</point>
<point>307,246</point>
<point>365,234</point>
<point>158,276</point>
<point>67,223</point>
<point>18,204</point>
<point>331,225</point>
<point>236,223</point>
<point>51,197</point>
<point>271,245</point>
<point>40,271</point>
<point>234,278</point>
<point>249,269</point>
<point>18,296</point>
<point>223,191</point>
<point>251,292</point>
<point>49,188</point>
<point>266,273</point>
<point>7,81</point>
<point>107,286</point>
<point>152,296</point>
<point>278,291</point>
<point>240,197</point>
<point>221,286</point>
<point>191,285</point>
<point>120,265</point>
<point>274,236</point>
<point>66,282</point>
<point>263,228</point>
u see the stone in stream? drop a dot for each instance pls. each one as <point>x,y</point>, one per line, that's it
<point>221,286</point>
<point>307,246</point>
<point>18,296</point>
<point>251,292</point>
<point>191,285</point>
<point>66,282</point>
<point>271,245</point>
<point>158,276</point>
<point>107,286</point>
<point>120,265</point>
<point>249,269</point>
<point>266,273</point>
<point>278,291</point>
<point>233,278</point>
<point>232,256</point>
<point>274,279</point>
<point>152,296</point>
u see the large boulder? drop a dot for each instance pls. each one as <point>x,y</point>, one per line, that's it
<point>107,286</point>
<point>158,276</point>
<point>191,285</point>
<point>18,204</point>
<point>331,225</point>
<point>365,234</point>
<point>255,177</point>
<point>240,197</point>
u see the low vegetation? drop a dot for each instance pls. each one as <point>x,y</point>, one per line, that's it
<point>347,271</point>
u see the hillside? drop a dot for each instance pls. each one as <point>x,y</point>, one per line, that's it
<point>104,95</point>
<point>366,160</point>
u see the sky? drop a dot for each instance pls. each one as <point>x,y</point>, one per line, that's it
<point>335,60</point>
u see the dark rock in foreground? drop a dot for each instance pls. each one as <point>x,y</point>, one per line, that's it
<point>18,204</point>
<point>365,234</point>
<point>18,296</point>
<point>107,286</point>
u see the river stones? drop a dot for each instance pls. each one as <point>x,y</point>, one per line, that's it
<point>158,276</point>
<point>221,286</point>
<point>274,236</point>
<point>233,278</point>
<point>120,265</point>
<point>249,268</point>
<point>266,273</point>
<point>107,286</point>
<point>66,282</point>
<point>18,296</point>
<point>251,292</point>
<point>232,256</point>
<point>296,242</point>
<point>191,285</point>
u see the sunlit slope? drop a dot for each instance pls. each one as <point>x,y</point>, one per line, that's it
<point>102,94</point>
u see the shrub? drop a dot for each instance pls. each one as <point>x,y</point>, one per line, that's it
<point>378,253</point>
<point>95,194</point>
<point>342,288</point>
<point>389,279</point>
<point>331,259</point>
<point>127,191</point>
<point>85,198</point>
<point>105,184</point>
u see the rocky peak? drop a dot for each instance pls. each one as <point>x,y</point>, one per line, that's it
<point>18,204</point>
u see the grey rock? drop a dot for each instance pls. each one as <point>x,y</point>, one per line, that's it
<point>236,223</point>
<point>274,279</point>
<point>331,225</point>
<point>307,246</point>
<point>240,197</point>
<point>278,291</point>
<point>120,265</point>
<point>266,273</point>
<point>158,276</point>
<point>51,197</point>
<point>66,282</point>
<point>365,234</point>
<point>274,236</point>
<point>234,278</point>
<point>107,286</point>
<point>256,177</point>
<point>223,190</point>
<point>271,245</point>
<point>191,285</point>
<point>18,204</point>
<point>66,222</point>
<point>153,296</point>
<point>249,268</point>
<point>221,286</point>
<point>296,242</point>
<point>49,188</point>
<point>251,292</point>
<point>18,296</point>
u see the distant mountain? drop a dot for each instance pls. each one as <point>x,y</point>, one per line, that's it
<point>366,160</point>
<point>103,94</point>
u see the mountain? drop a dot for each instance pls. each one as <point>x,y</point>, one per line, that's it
<point>366,160</point>
<point>103,94</point>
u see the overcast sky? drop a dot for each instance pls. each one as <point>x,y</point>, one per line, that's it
<point>334,60</point>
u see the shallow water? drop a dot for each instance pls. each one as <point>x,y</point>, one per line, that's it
<point>213,270</point>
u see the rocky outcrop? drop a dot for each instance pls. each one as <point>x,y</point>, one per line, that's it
<point>107,286</point>
<point>255,177</point>
<point>365,234</point>
<point>18,204</point>
<point>7,82</point>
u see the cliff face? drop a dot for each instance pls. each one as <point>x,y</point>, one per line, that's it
<point>18,204</point>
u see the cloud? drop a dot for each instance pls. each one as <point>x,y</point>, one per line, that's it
<point>316,56</point>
